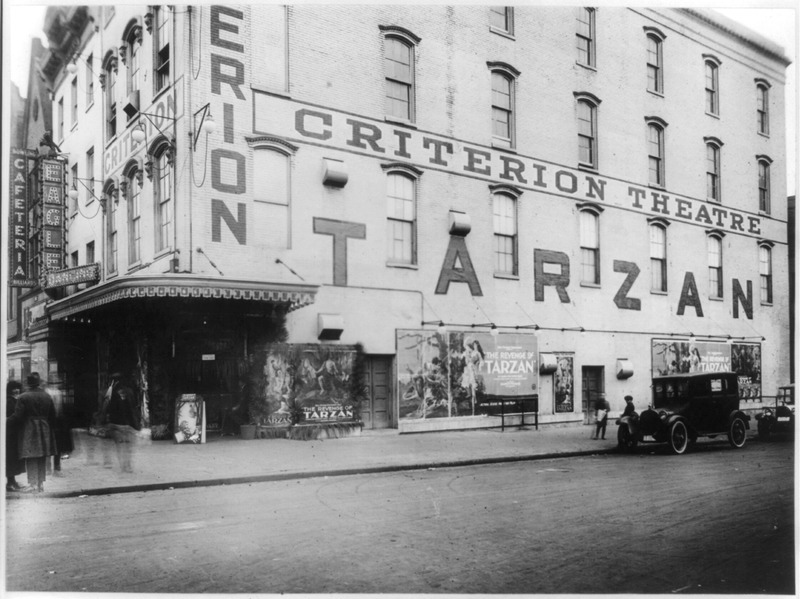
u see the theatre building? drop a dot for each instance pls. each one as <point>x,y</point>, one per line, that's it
<point>405,215</point>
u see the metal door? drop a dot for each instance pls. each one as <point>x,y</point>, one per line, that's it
<point>377,409</point>
<point>592,384</point>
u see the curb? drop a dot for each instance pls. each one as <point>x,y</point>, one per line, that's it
<point>240,480</point>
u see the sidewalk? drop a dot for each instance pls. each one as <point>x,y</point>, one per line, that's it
<point>231,460</point>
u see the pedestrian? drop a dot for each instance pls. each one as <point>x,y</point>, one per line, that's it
<point>63,429</point>
<point>123,423</point>
<point>35,415</point>
<point>629,409</point>
<point>14,465</point>
<point>601,405</point>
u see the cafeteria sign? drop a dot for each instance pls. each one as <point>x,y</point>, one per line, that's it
<point>18,249</point>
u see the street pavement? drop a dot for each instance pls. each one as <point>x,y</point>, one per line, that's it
<point>231,460</point>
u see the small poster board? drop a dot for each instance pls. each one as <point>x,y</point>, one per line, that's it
<point>190,422</point>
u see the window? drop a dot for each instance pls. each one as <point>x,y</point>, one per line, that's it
<point>765,270</point>
<point>73,204</point>
<point>89,175</point>
<point>655,153</point>
<point>133,188</point>
<point>162,34</point>
<point>61,119</point>
<point>712,86</point>
<point>655,60</point>
<point>401,214</point>
<point>90,252</point>
<point>713,192</point>
<point>585,36</point>
<point>587,129</point>
<point>502,19</point>
<point>764,204</point>
<point>272,186</point>
<point>502,113</point>
<point>133,45</point>
<point>658,257</point>
<point>110,80</point>
<point>110,192</point>
<point>715,266</point>
<point>590,247</point>
<point>762,109</point>
<point>504,210</point>
<point>74,260</point>
<point>89,81</point>
<point>162,185</point>
<point>399,65</point>
<point>74,98</point>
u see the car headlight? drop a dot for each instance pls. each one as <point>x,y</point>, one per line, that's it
<point>767,412</point>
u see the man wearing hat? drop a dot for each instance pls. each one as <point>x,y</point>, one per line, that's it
<point>629,409</point>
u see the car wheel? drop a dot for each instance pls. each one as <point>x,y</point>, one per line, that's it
<point>678,437</point>
<point>625,439</point>
<point>737,434</point>
<point>763,430</point>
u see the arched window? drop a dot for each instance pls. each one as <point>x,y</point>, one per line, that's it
<point>765,272</point>
<point>590,245</point>
<point>655,59</point>
<point>762,106</point>
<point>132,188</point>
<point>764,202</point>
<point>587,129</point>
<point>506,244</point>
<point>109,84</point>
<point>401,214</point>
<point>713,172</point>
<point>162,35</point>
<point>658,255</point>
<point>655,150</point>
<point>398,53</point>
<point>132,46</point>
<point>585,36</point>
<point>712,84</point>
<point>714,244</point>
<point>272,188</point>
<point>110,200</point>
<point>503,104</point>
<point>161,161</point>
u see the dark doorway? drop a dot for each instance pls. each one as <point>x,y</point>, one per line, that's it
<point>593,384</point>
<point>377,409</point>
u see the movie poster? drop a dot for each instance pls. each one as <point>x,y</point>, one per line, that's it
<point>746,362</point>
<point>457,373</point>
<point>189,419</point>
<point>563,383</point>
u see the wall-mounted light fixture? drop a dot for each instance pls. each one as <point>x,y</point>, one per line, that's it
<point>139,134</point>
<point>206,124</point>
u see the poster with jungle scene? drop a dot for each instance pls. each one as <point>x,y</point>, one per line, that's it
<point>672,357</point>
<point>456,373</point>
<point>305,384</point>
<point>563,383</point>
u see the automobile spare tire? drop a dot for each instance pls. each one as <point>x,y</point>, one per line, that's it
<point>678,437</point>
<point>737,433</point>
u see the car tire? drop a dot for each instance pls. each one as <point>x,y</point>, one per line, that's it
<point>737,433</point>
<point>625,439</point>
<point>678,437</point>
<point>763,430</point>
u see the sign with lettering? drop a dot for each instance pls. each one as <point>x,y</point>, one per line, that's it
<point>88,273</point>
<point>53,228</point>
<point>18,275</point>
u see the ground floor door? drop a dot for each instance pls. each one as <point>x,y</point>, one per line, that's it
<point>592,385</point>
<point>376,412</point>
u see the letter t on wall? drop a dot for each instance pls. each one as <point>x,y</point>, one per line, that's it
<point>341,231</point>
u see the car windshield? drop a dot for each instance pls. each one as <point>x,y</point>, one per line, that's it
<point>667,392</point>
<point>786,394</point>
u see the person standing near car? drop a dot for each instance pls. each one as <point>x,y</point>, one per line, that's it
<point>601,405</point>
<point>629,409</point>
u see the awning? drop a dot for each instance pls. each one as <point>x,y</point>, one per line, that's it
<point>182,286</point>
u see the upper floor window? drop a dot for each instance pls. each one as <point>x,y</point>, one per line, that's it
<point>272,188</point>
<point>658,257</point>
<point>504,214</point>
<point>162,195</point>
<point>61,119</point>
<point>110,192</point>
<point>713,182</point>
<point>655,150</point>
<point>89,81</point>
<point>109,83</point>
<point>762,106</point>
<point>73,204</point>
<point>655,60</point>
<point>765,272</point>
<point>764,204</point>
<point>398,47</point>
<point>590,246</point>
<point>715,265</point>
<point>162,36</point>
<point>132,191</point>
<point>401,215</point>
<point>585,36</point>
<point>74,100</point>
<point>587,129</point>
<point>502,19</point>
<point>712,85</point>
<point>90,175</point>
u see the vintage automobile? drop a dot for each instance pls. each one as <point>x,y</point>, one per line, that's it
<point>685,407</point>
<point>779,419</point>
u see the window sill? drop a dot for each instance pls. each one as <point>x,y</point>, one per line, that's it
<point>765,213</point>
<point>655,93</point>
<point>713,115</point>
<point>503,33</point>
<point>507,276</point>
<point>588,167</point>
<point>160,92</point>
<point>715,298</point>
<point>764,134</point>
<point>588,67</point>
<point>132,268</point>
<point>659,292</point>
<point>89,107</point>
<point>398,121</point>
<point>590,285</point>
<point>767,304</point>
<point>74,125</point>
<point>503,144</point>
<point>281,93</point>
<point>402,265</point>
<point>161,253</point>
<point>657,186</point>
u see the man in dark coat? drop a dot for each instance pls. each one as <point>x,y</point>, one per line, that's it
<point>35,415</point>
<point>123,422</point>
<point>14,465</point>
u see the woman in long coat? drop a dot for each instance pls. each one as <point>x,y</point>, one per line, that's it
<point>14,465</point>
<point>35,415</point>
